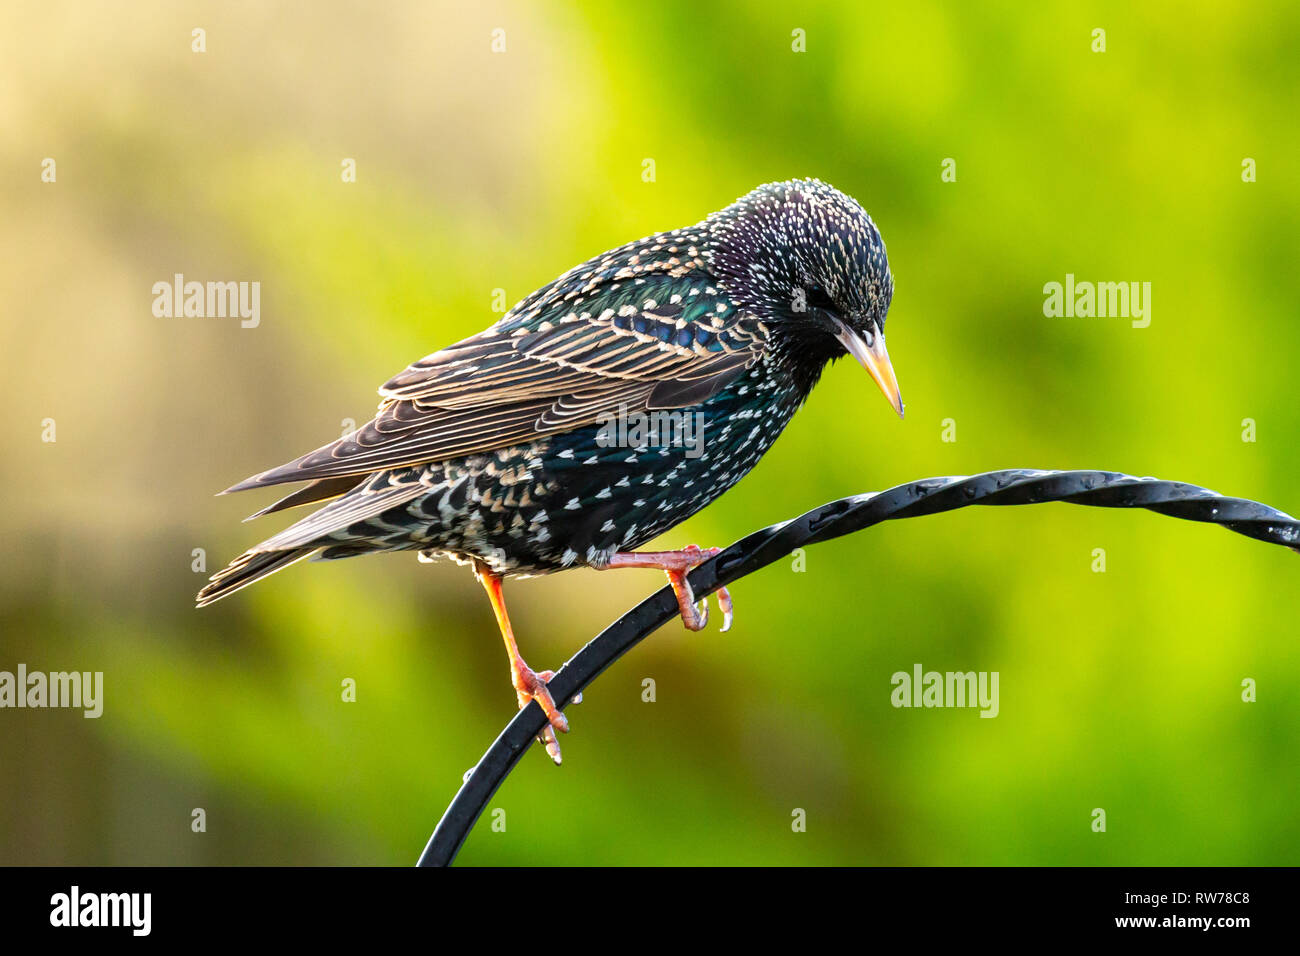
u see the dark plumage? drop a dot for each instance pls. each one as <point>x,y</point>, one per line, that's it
<point>504,450</point>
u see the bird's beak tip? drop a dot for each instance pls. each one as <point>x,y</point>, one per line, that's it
<point>875,359</point>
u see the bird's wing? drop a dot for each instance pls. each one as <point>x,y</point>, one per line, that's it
<point>548,367</point>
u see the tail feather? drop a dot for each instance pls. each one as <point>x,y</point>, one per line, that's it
<point>366,501</point>
<point>321,490</point>
<point>244,570</point>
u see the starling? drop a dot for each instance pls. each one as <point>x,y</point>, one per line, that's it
<point>602,410</point>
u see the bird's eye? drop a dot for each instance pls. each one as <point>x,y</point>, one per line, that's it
<point>818,298</point>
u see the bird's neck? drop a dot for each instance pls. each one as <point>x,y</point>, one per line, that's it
<point>802,353</point>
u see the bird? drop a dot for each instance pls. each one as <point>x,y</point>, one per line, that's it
<point>599,412</point>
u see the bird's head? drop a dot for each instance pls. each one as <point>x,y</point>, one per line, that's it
<point>808,260</point>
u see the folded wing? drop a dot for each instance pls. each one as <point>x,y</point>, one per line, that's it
<point>546,368</point>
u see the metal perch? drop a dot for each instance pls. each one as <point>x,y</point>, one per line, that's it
<point>928,496</point>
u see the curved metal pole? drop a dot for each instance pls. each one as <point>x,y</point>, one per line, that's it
<point>845,516</point>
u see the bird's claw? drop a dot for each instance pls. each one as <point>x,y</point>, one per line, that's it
<point>548,675</point>
<point>531,686</point>
<point>700,618</point>
<point>695,614</point>
<point>724,602</point>
<point>701,614</point>
<point>677,565</point>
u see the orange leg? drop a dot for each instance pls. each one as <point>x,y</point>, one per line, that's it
<point>529,684</point>
<point>678,564</point>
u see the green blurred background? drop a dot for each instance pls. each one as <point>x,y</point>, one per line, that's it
<point>479,171</point>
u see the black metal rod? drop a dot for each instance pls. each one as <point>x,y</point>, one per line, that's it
<point>929,496</point>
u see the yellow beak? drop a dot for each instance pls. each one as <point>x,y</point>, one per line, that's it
<point>875,359</point>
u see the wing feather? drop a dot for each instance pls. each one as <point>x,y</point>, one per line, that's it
<point>546,368</point>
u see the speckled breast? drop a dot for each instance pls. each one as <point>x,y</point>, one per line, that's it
<point>576,498</point>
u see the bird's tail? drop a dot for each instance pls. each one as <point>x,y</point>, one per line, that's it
<point>244,570</point>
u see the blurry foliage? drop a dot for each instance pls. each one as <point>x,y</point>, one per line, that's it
<point>479,171</point>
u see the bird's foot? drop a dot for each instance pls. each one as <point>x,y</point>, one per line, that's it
<point>695,614</point>
<point>531,686</point>
<point>678,564</point>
